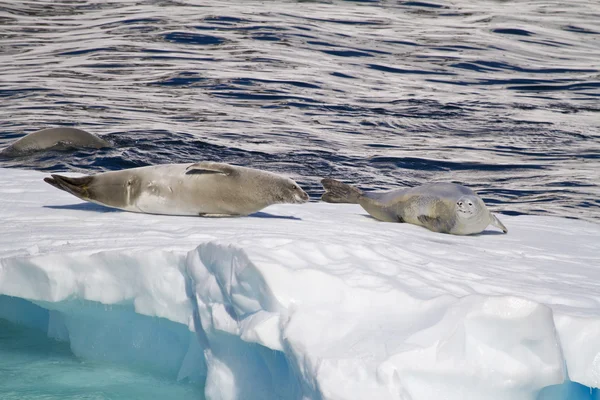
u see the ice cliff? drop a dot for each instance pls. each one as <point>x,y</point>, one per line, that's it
<point>315,301</point>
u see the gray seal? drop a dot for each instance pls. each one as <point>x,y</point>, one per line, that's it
<point>54,137</point>
<point>204,189</point>
<point>439,207</point>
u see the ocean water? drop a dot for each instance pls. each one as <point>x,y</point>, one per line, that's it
<point>502,96</point>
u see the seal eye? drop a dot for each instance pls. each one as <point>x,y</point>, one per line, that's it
<point>470,204</point>
<point>294,187</point>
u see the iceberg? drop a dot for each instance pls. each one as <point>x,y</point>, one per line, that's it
<point>317,301</point>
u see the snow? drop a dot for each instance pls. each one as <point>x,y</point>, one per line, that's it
<point>314,301</point>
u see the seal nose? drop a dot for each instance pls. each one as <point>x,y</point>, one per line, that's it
<point>304,196</point>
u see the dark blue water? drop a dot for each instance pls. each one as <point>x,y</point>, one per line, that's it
<point>503,96</point>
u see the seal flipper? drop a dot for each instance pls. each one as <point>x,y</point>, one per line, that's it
<point>338,192</point>
<point>496,222</point>
<point>52,182</point>
<point>209,167</point>
<point>76,186</point>
<point>435,224</point>
<point>208,215</point>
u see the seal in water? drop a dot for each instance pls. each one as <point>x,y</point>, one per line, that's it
<point>440,207</point>
<point>53,137</point>
<point>204,189</point>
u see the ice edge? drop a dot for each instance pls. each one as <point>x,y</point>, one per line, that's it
<point>252,333</point>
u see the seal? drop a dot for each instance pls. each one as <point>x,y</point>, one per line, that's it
<point>54,137</point>
<point>204,189</point>
<point>439,207</point>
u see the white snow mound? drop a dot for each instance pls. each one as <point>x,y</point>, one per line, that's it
<point>313,301</point>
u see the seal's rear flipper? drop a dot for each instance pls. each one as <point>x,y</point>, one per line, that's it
<point>76,186</point>
<point>52,182</point>
<point>338,192</point>
<point>496,222</point>
<point>209,167</point>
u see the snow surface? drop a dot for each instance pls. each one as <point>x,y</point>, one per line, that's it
<point>314,301</point>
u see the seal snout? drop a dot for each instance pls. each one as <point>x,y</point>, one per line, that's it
<point>466,206</point>
<point>301,197</point>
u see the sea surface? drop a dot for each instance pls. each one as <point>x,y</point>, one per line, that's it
<point>502,96</point>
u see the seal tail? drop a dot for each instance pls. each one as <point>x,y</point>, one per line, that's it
<point>338,192</point>
<point>76,186</point>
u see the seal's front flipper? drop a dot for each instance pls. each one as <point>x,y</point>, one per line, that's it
<point>207,215</point>
<point>209,167</point>
<point>435,224</point>
<point>496,222</point>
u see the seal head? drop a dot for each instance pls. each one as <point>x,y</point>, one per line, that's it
<point>288,191</point>
<point>472,216</point>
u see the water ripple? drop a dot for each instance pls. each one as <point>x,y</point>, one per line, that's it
<point>380,94</point>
